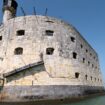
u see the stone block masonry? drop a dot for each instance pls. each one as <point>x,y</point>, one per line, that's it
<point>44,58</point>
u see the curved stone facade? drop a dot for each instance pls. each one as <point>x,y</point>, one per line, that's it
<point>67,57</point>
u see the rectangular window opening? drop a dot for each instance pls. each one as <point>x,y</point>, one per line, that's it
<point>76,75</point>
<point>49,32</point>
<point>83,60</point>
<point>74,55</point>
<point>0,38</point>
<point>20,32</point>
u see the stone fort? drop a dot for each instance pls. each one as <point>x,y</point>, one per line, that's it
<point>44,57</point>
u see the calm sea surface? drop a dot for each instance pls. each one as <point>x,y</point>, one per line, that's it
<point>92,101</point>
<point>100,100</point>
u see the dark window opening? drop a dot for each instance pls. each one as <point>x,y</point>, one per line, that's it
<point>86,77</point>
<point>49,51</point>
<point>83,60</point>
<point>74,55</point>
<point>90,54</point>
<point>81,46</point>
<point>0,38</point>
<point>72,39</point>
<point>49,32</point>
<point>18,51</point>
<point>88,63</point>
<point>77,75</point>
<point>86,51</point>
<point>20,32</point>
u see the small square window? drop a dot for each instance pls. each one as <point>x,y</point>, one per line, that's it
<point>49,51</point>
<point>18,51</point>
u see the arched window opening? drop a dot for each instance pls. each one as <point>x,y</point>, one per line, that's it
<point>49,51</point>
<point>76,75</point>
<point>74,55</point>
<point>20,32</point>
<point>18,51</point>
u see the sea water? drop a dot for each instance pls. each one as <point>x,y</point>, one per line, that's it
<point>99,100</point>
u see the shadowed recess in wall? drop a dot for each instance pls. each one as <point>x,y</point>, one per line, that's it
<point>27,70</point>
<point>1,84</point>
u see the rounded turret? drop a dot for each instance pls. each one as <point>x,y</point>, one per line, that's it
<point>9,9</point>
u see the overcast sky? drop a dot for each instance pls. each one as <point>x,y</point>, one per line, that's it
<point>88,16</point>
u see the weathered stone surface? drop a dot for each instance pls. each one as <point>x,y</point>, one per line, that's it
<point>34,93</point>
<point>35,42</point>
<point>62,73</point>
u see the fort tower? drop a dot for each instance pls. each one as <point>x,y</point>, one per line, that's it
<point>9,9</point>
<point>43,58</point>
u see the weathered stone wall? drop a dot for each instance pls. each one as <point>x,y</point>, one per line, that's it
<point>60,67</point>
<point>49,92</point>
